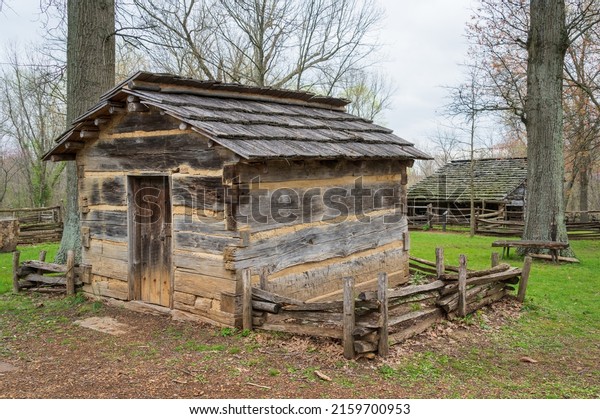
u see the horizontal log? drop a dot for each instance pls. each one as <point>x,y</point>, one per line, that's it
<point>414,298</point>
<point>432,264</point>
<point>47,266</point>
<point>40,209</point>
<point>266,306</point>
<point>50,280</point>
<point>303,330</point>
<point>474,274</point>
<point>53,227</point>
<point>549,257</point>
<point>537,244</point>
<point>417,328</point>
<point>311,316</point>
<point>484,302</point>
<point>274,298</point>
<point>450,302</point>
<point>335,306</point>
<point>511,274</point>
<point>414,315</point>
<point>403,291</point>
<point>315,243</point>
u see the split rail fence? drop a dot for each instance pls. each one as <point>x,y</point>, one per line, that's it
<point>372,321</point>
<point>41,276</point>
<point>501,223</point>
<point>37,225</point>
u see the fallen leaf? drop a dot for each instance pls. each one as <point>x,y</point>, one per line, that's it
<point>322,376</point>
<point>179,381</point>
<point>527,359</point>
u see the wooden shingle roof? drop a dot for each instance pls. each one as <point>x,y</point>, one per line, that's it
<point>254,122</point>
<point>494,181</point>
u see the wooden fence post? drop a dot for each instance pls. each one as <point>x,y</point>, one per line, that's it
<point>524,279</point>
<point>462,286</point>
<point>382,295</point>
<point>70,275</point>
<point>41,258</point>
<point>246,299</point>
<point>15,265</point>
<point>429,215</point>
<point>439,261</point>
<point>495,259</point>
<point>349,321</point>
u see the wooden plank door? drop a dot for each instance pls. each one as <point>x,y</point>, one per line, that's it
<point>152,239</point>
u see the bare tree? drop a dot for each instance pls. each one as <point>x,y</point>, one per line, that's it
<point>369,94</point>
<point>319,45</point>
<point>8,167</point>
<point>33,115</point>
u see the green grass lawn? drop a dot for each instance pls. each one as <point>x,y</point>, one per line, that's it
<point>569,292</point>
<point>559,325</point>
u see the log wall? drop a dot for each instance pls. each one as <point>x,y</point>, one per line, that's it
<point>309,224</point>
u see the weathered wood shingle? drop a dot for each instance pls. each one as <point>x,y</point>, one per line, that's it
<point>494,180</point>
<point>256,123</point>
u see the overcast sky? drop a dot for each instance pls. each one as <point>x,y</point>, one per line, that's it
<point>423,45</point>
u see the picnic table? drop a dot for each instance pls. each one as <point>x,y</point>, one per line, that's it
<point>552,246</point>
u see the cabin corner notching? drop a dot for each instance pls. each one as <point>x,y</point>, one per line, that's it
<point>184,184</point>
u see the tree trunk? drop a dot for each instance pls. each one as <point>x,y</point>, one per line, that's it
<point>547,44</point>
<point>90,72</point>
<point>584,185</point>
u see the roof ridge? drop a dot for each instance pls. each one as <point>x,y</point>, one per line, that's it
<point>179,84</point>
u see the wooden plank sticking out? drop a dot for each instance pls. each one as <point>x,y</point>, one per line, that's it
<point>382,297</point>
<point>70,274</point>
<point>462,286</point>
<point>349,320</point>
<point>524,279</point>
<point>274,298</point>
<point>247,299</point>
<point>495,259</point>
<point>439,261</point>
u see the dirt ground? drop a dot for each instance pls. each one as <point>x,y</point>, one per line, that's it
<point>53,357</point>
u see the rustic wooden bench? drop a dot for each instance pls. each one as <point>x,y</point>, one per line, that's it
<point>552,246</point>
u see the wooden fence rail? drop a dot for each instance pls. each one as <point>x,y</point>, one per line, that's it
<point>37,225</point>
<point>371,321</point>
<point>500,223</point>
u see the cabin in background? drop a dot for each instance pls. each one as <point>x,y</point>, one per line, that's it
<point>184,184</point>
<point>499,187</point>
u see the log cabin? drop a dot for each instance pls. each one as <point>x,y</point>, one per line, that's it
<point>499,186</point>
<point>184,184</point>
